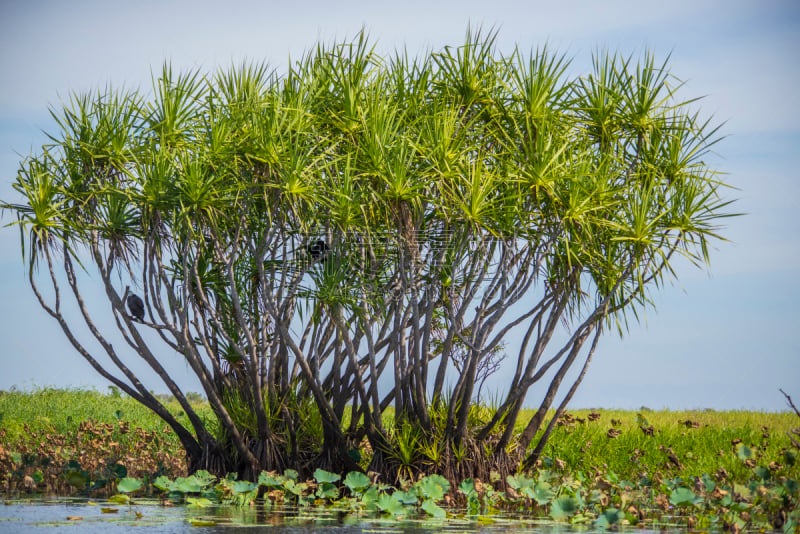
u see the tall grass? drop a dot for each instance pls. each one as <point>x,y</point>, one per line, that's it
<point>631,444</point>
<point>62,410</point>
<point>685,443</point>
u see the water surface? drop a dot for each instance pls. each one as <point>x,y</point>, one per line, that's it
<point>51,515</point>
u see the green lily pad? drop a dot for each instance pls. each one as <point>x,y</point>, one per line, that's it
<point>467,486</point>
<point>542,493</point>
<point>270,481</point>
<point>295,488</point>
<point>198,502</point>
<point>473,504</point>
<point>434,509</point>
<point>119,499</point>
<point>118,470</point>
<point>683,497</point>
<point>433,487</point>
<point>370,497</point>
<point>762,472</point>
<point>609,517</point>
<point>202,523</point>
<point>204,478</point>
<point>519,482</point>
<point>356,481</point>
<point>326,490</point>
<point>708,482</point>
<point>405,497</point>
<point>243,486</point>
<point>77,479</point>
<point>320,475</point>
<point>129,485</point>
<point>563,507</point>
<point>163,483</point>
<point>743,451</point>
<point>388,504</point>
<point>187,485</point>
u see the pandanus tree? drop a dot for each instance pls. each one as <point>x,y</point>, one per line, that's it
<point>360,236</point>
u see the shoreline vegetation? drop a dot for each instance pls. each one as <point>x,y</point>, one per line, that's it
<point>719,470</point>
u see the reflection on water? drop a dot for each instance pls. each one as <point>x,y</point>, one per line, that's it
<point>51,515</point>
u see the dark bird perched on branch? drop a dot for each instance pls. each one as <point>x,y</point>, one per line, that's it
<point>317,249</point>
<point>136,307</point>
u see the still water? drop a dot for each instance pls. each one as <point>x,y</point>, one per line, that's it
<point>40,516</point>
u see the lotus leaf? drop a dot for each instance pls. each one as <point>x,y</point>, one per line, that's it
<point>467,486</point>
<point>202,523</point>
<point>204,477</point>
<point>243,486</point>
<point>473,504</point>
<point>389,505</point>
<point>708,482</point>
<point>270,480</point>
<point>320,475</point>
<point>119,499</point>
<point>743,451</point>
<point>129,485</point>
<point>187,485</point>
<point>434,509</point>
<point>163,483</point>
<point>433,487</point>
<point>405,497</point>
<point>683,497</point>
<point>370,497</point>
<point>542,493</point>
<point>295,488</point>
<point>79,479</point>
<point>609,517</point>
<point>519,482</point>
<point>563,507</point>
<point>118,470</point>
<point>762,472</point>
<point>357,482</point>
<point>199,502</point>
<point>326,490</point>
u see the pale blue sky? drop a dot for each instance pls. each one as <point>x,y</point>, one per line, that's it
<point>722,338</point>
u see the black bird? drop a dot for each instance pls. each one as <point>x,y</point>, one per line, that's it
<point>317,249</point>
<point>136,307</point>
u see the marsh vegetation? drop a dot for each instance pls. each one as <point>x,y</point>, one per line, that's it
<point>652,469</point>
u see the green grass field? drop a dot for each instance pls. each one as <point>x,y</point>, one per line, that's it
<point>701,441</point>
<point>60,410</point>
